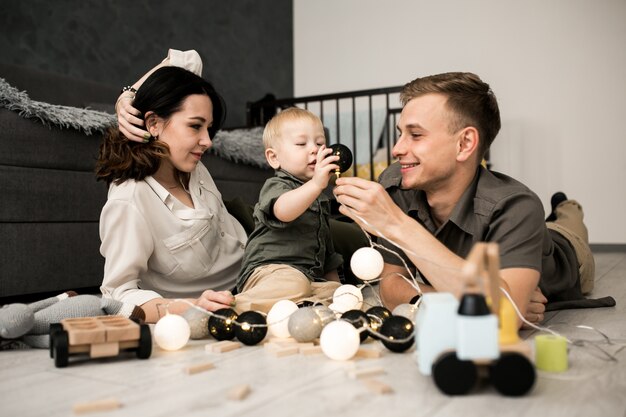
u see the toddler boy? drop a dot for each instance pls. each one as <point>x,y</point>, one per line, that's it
<point>290,253</point>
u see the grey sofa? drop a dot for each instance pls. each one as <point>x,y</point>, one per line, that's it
<point>51,202</point>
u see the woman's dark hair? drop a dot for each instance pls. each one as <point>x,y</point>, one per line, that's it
<point>163,93</point>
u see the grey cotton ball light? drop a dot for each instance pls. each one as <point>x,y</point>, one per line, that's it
<point>305,325</point>
<point>198,323</point>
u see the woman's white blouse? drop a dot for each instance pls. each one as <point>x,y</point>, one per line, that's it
<point>155,246</point>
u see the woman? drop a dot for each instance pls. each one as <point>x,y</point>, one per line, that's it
<point>165,231</point>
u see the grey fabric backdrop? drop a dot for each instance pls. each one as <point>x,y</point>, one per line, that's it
<point>246,45</point>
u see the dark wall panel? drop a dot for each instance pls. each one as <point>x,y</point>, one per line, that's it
<point>246,45</point>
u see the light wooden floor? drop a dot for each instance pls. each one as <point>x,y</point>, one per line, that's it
<point>316,386</point>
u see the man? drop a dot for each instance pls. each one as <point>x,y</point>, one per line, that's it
<point>437,201</point>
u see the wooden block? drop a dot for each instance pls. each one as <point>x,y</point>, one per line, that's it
<point>312,350</point>
<point>199,367</point>
<point>119,328</point>
<point>100,329</point>
<point>84,330</point>
<point>377,387</point>
<point>282,340</point>
<point>366,372</point>
<point>104,350</point>
<point>271,346</point>
<point>286,351</point>
<point>228,348</point>
<point>99,405</point>
<point>224,346</point>
<point>368,353</point>
<point>238,392</point>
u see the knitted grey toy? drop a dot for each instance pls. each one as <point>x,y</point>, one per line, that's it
<point>30,323</point>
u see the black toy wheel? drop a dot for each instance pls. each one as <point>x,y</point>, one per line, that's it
<point>144,350</point>
<point>54,328</point>
<point>61,349</point>
<point>513,374</point>
<point>454,376</point>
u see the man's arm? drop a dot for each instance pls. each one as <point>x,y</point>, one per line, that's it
<point>394,287</point>
<point>522,283</point>
<point>368,204</point>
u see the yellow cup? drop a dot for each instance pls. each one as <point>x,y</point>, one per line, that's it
<point>551,353</point>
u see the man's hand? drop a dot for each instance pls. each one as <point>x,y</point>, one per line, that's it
<point>536,308</point>
<point>368,204</point>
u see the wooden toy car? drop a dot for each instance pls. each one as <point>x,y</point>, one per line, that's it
<point>101,336</point>
<point>460,341</point>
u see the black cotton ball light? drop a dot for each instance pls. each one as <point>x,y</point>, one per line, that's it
<point>398,332</point>
<point>359,320</point>
<point>377,315</point>
<point>222,324</point>
<point>345,156</point>
<point>245,329</point>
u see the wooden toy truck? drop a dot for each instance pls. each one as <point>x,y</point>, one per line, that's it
<point>460,341</point>
<point>101,336</point>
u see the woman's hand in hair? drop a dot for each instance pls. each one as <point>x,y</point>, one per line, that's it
<point>130,120</point>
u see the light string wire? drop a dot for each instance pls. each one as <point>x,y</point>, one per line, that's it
<point>413,282</point>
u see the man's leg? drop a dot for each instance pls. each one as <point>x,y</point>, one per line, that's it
<point>569,223</point>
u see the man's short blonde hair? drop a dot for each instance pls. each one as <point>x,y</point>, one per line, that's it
<point>272,132</point>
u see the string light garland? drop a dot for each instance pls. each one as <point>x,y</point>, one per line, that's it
<point>251,327</point>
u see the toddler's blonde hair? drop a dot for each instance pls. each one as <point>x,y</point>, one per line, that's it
<point>272,132</point>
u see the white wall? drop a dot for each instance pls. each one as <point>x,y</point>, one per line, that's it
<point>558,68</point>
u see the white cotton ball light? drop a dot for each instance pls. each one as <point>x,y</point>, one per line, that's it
<point>340,340</point>
<point>171,332</point>
<point>347,297</point>
<point>367,263</point>
<point>405,310</point>
<point>278,318</point>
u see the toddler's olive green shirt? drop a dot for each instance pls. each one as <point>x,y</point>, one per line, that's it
<point>304,243</point>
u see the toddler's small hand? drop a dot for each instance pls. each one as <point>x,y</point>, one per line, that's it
<point>324,166</point>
